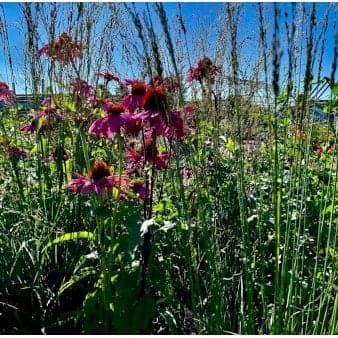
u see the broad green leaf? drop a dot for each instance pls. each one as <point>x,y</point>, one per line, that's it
<point>70,236</point>
<point>83,273</point>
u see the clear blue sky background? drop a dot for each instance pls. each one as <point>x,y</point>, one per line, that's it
<point>195,16</point>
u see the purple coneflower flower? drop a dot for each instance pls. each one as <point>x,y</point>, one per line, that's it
<point>133,126</point>
<point>176,128</point>
<point>16,152</point>
<point>48,103</point>
<point>6,95</point>
<point>139,189</point>
<point>38,124</point>
<point>133,101</point>
<point>109,125</point>
<point>154,110</point>
<point>82,88</point>
<point>148,153</point>
<point>100,181</point>
<point>64,49</point>
<point>108,76</point>
<point>205,70</point>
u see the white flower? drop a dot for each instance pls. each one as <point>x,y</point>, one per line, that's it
<point>145,225</point>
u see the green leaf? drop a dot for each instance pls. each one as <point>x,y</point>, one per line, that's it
<point>34,150</point>
<point>230,145</point>
<point>144,312</point>
<point>40,121</point>
<point>329,209</point>
<point>83,273</point>
<point>70,236</point>
<point>335,88</point>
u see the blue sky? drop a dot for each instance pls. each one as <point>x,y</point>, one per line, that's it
<point>197,18</point>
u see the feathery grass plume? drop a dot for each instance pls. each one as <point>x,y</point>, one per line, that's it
<point>322,39</point>
<point>276,54</point>
<point>290,33</point>
<point>276,185</point>
<point>264,49</point>
<point>164,22</point>
<point>153,43</point>
<point>335,53</point>
<point>184,30</point>
<point>308,76</point>
<point>138,25</point>
<point>247,299</point>
<point>32,46</point>
<point>6,47</point>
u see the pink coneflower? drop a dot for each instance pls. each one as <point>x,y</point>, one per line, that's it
<point>194,74</point>
<point>176,128</point>
<point>100,181</point>
<point>139,189</point>
<point>319,150</point>
<point>133,101</point>
<point>64,49</point>
<point>154,100</point>
<point>58,154</point>
<point>188,109</point>
<point>16,152</point>
<point>109,125</point>
<point>48,103</point>
<point>205,70</point>
<point>6,95</point>
<point>133,126</point>
<point>154,110</point>
<point>108,76</point>
<point>81,88</point>
<point>169,83</point>
<point>332,148</point>
<point>148,153</point>
<point>187,172</point>
<point>38,124</point>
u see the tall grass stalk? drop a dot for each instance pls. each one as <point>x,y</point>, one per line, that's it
<point>247,299</point>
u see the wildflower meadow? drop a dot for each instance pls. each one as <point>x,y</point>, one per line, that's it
<point>168,168</point>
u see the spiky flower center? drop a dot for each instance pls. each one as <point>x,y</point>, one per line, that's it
<point>138,88</point>
<point>114,109</point>
<point>3,84</point>
<point>137,183</point>
<point>99,170</point>
<point>149,149</point>
<point>154,99</point>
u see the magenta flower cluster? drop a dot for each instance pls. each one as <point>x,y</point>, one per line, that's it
<point>6,95</point>
<point>64,49</point>
<point>205,70</point>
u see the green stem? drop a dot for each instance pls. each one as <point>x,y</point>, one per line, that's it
<point>17,177</point>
